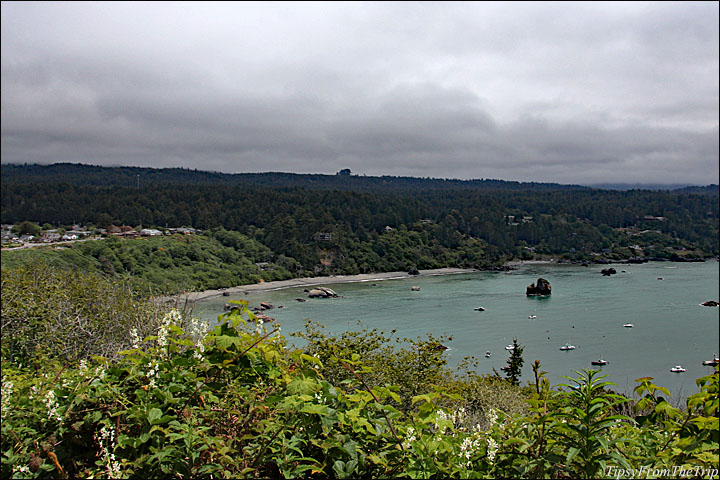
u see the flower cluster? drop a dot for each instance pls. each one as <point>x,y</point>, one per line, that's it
<point>259,325</point>
<point>135,338</point>
<point>52,405</point>
<point>106,440</point>
<point>492,448</point>
<point>6,392</point>
<point>152,374</point>
<point>409,438</point>
<point>444,421</point>
<point>198,331</point>
<point>492,417</point>
<point>83,368</point>
<point>469,446</point>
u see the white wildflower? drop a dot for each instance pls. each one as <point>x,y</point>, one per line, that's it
<point>492,448</point>
<point>198,331</point>
<point>106,440</point>
<point>409,438</point>
<point>83,368</point>
<point>52,405</point>
<point>173,317</point>
<point>152,374</point>
<point>135,338</point>
<point>469,446</point>
<point>6,392</point>
<point>492,417</point>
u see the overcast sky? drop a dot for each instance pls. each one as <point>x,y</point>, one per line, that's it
<point>552,92</point>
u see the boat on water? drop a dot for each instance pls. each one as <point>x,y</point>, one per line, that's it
<point>712,363</point>
<point>505,368</point>
<point>567,346</point>
<point>480,309</point>
<point>487,354</point>
<point>628,325</point>
<point>510,347</point>
<point>599,362</point>
<point>532,316</point>
<point>678,369</point>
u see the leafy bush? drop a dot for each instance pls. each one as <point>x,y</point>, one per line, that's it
<point>234,403</point>
<point>69,314</point>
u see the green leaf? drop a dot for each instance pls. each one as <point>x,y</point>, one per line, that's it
<point>154,415</point>
<point>303,385</point>
<point>572,453</point>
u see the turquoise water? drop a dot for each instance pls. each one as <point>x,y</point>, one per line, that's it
<point>586,309</point>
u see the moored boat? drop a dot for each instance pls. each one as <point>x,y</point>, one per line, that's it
<point>712,363</point>
<point>567,346</point>
<point>678,369</point>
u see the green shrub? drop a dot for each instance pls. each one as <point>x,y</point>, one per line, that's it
<point>69,314</point>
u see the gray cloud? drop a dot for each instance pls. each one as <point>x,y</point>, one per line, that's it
<point>571,93</point>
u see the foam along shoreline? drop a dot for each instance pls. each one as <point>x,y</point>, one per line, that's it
<point>311,282</point>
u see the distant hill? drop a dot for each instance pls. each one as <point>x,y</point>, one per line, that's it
<point>92,175</point>
<point>682,187</point>
<point>347,224</point>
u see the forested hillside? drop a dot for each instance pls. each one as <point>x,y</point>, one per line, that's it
<point>372,223</point>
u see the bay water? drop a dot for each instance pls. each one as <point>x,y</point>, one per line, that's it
<point>586,309</point>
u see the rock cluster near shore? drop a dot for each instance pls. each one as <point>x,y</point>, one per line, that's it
<point>322,292</point>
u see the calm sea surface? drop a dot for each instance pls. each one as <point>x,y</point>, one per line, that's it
<point>586,309</point>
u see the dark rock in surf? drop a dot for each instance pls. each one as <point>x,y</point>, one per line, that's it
<point>541,287</point>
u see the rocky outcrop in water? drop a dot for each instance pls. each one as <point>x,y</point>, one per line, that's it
<point>541,287</point>
<point>322,292</point>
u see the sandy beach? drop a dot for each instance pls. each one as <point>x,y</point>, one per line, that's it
<point>312,281</point>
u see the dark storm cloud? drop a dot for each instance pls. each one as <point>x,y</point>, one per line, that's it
<point>572,93</point>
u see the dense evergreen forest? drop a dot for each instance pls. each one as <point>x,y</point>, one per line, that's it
<point>317,224</point>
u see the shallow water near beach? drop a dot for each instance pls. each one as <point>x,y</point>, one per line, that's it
<point>586,309</point>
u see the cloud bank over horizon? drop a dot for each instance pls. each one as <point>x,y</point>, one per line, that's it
<point>570,93</point>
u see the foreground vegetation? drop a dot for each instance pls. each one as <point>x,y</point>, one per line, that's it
<point>181,399</point>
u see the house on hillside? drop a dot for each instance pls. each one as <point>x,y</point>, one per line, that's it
<point>323,237</point>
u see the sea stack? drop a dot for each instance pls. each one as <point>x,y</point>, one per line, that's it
<point>541,287</point>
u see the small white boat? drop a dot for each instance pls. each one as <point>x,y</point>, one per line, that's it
<point>480,309</point>
<point>599,362</point>
<point>532,316</point>
<point>677,369</point>
<point>487,354</point>
<point>567,346</point>
<point>628,325</point>
<point>711,363</point>
<point>510,347</point>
